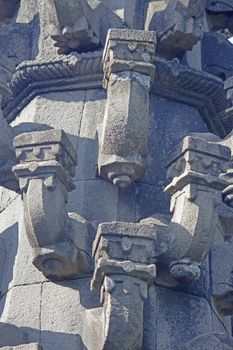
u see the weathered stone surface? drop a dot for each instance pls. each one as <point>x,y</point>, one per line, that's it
<point>10,335</point>
<point>123,267</point>
<point>219,65</point>
<point>211,341</point>
<point>128,71</point>
<point>19,314</point>
<point>177,23</point>
<point>152,103</point>
<point>47,162</point>
<point>7,10</point>
<point>220,14</point>
<point>73,298</point>
<point>194,171</point>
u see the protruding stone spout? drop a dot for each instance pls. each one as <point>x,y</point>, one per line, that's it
<point>129,70</point>
<point>47,162</point>
<point>124,269</point>
<point>195,166</point>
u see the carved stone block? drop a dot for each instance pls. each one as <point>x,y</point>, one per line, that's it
<point>47,162</point>
<point>128,71</point>
<point>195,166</point>
<point>124,269</point>
<point>69,28</point>
<point>199,162</point>
<point>178,25</point>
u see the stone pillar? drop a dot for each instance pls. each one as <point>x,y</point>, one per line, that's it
<point>128,72</point>
<point>124,269</point>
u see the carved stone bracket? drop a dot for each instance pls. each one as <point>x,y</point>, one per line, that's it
<point>194,170</point>
<point>128,72</point>
<point>47,161</point>
<point>124,269</point>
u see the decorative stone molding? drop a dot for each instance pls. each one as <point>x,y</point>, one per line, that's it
<point>47,162</point>
<point>71,72</point>
<point>124,269</point>
<point>194,171</point>
<point>128,72</point>
<point>201,90</point>
<point>172,80</point>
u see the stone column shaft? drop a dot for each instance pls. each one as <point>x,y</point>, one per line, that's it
<point>128,72</point>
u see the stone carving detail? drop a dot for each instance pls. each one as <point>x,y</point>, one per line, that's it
<point>59,73</point>
<point>128,72</point>
<point>221,273</point>
<point>178,24</point>
<point>178,82</point>
<point>47,161</point>
<point>63,66</point>
<point>124,269</point>
<point>194,170</point>
<point>69,27</point>
<point>205,92</point>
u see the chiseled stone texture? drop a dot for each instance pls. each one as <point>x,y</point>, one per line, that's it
<point>39,313</point>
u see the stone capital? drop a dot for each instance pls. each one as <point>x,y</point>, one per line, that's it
<point>46,152</point>
<point>129,50</point>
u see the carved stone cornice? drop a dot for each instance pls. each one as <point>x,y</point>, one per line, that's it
<point>173,81</point>
<point>204,91</point>
<point>65,72</point>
